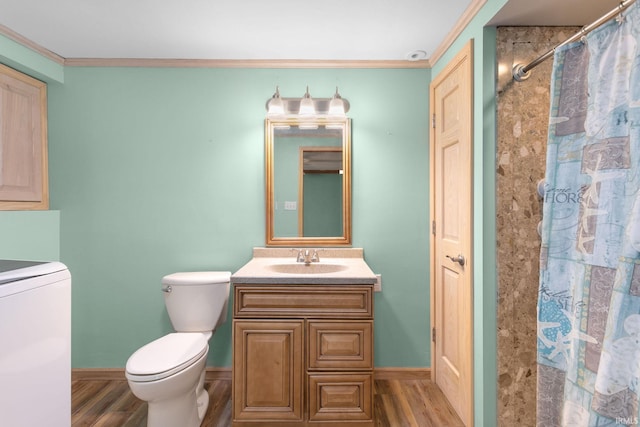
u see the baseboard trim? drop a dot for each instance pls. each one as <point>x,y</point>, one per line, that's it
<point>218,374</point>
<point>98,374</point>
<point>213,373</point>
<point>402,373</point>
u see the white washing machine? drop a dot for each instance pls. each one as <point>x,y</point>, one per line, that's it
<point>35,344</point>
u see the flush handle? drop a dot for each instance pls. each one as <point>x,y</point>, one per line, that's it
<point>459,259</point>
<point>166,288</point>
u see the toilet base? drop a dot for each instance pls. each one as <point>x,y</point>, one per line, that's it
<point>181,411</point>
<point>202,398</point>
<point>179,400</point>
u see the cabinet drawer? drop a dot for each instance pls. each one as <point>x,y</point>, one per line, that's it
<point>303,301</point>
<point>340,345</point>
<point>342,397</point>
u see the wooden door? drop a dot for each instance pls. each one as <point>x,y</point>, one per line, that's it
<point>268,370</point>
<point>451,213</point>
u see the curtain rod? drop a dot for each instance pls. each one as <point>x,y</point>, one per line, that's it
<point>522,72</point>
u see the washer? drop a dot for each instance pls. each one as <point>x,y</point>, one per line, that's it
<point>35,344</point>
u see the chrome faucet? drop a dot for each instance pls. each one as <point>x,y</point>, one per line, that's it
<point>307,256</point>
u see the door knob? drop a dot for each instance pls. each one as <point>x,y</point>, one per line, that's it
<point>459,259</point>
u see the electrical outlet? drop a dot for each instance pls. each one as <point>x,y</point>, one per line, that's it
<point>378,285</point>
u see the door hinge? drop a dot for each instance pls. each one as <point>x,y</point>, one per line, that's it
<point>433,227</point>
<point>433,120</point>
<point>433,334</point>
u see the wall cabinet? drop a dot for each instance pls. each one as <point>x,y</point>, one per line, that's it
<point>302,355</point>
<point>23,142</point>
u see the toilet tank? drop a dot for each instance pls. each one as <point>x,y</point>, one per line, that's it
<point>197,301</point>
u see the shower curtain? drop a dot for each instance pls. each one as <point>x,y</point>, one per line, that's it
<point>589,296</point>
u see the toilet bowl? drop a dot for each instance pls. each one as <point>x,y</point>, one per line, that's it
<point>168,373</point>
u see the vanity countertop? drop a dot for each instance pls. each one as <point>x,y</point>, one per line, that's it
<point>279,266</point>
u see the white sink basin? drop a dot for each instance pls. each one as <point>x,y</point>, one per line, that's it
<point>278,266</point>
<point>300,268</point>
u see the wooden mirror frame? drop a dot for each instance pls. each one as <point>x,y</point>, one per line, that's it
<point>345,240</point>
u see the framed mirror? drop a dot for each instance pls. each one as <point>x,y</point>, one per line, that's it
<point>308,176</point>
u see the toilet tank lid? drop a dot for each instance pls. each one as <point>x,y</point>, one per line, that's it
<point>197,278</point>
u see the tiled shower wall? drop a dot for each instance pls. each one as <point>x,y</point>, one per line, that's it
<point>523,110</point>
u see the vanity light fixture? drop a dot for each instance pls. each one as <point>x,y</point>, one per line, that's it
<point>307,107</point>
<point>336,105</point>
<point>275,105</point>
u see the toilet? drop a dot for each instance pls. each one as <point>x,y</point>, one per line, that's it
<point>168,373</point>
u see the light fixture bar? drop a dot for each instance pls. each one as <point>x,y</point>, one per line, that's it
<point>307,106</point>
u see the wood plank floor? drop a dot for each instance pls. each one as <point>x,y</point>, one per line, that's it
<point>398,403</point>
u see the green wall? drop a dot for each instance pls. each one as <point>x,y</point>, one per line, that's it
<point>15,55</point>
<point>30,235</point>
<point>162,170</point>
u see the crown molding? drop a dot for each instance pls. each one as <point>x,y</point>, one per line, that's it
<point>12,35</point>
<point>241,63</point>
<point>470,12</point>
<point>208,63</point>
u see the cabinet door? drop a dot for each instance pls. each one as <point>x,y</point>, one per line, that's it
<point>23,142</point>
<point>267,370</point>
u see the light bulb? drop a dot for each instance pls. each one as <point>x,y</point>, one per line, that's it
<point>306,105</point>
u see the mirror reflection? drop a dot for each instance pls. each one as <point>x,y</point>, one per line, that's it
<point>308,182</point>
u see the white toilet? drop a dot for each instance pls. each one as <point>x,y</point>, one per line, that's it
<point>168,373</point>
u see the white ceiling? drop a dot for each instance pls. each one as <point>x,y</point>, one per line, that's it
<point>552,12</point>
<point>267,30</point>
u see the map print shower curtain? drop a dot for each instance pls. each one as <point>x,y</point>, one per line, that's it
<point>589,296</point>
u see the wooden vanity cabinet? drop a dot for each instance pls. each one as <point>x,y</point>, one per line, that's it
<point>303,355</point>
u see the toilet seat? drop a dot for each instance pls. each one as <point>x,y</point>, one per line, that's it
<point>166,356</point>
